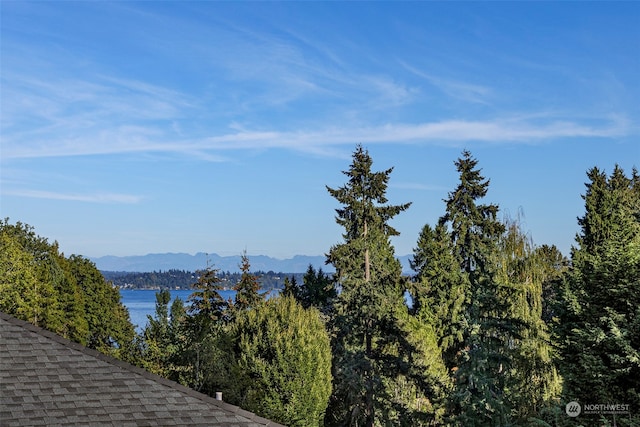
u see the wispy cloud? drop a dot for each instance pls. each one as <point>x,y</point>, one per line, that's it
<point>456,89</point>
<point>109,198</point>
<point>448,132</point>
<point>75,111</point>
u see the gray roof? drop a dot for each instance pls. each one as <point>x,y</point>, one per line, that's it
<point>48,380</point>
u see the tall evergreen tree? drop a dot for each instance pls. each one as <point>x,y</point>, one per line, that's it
<point>439,297</point>
<point>208,313</point>
<point>481,326</point>
<point>248,288</point>
<point>600,328</point>
<point>206,302</point>
<point>555,266</point>
<point>372,350</point>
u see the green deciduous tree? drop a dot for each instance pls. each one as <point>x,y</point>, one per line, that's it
<point>67,295</point>
<point>109,327</point>
<point>21,292</point>
<point>280,364</point>
<point>42,298</point>
<point>522,269</point>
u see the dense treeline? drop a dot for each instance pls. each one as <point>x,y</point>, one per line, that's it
<point>181,279</point>
<point>500,332</point>
<point>271,356</point>
<point>67,295</point>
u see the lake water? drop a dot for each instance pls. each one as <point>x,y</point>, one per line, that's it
<point>142,302</point>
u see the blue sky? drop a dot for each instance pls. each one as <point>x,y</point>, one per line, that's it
<point>148,127</point>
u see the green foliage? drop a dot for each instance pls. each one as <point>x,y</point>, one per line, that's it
<point>481,326</point>
<point>281,362</point>
<point>181,279</point>
<point>479,285</point>
<point>198,330</point>
<point>157,343</point>
<point>317,290</point>
<point>599,330</point>
<point>169,279</point>
<point>438,293</point>
<point>291,288</point>
<point>474,228</point>
<point>165,342</point>
<point>248,288</point>
<point>206,303</point>
<point>68,296</point>
<point>374,352</point>
<point>494,317</point>
<point>21,292</point>
<point>522,270</point>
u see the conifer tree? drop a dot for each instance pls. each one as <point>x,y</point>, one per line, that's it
<point>206,302</point>
<point>439,298</point>
<point>248,288</point>
<point>481,326</point>
<point>317,289</point>
<point>291,288</point>
<point>156,336</point>
<point>208,313</point>
<point>600,328</point>
<point>555,266</point>
<point>373,352</point>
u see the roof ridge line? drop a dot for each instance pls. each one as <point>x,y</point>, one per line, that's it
<point>136,370</point>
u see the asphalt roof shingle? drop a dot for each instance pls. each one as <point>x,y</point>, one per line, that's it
<point>48,380</point>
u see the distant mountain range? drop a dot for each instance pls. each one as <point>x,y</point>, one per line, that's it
<point>188,262</point>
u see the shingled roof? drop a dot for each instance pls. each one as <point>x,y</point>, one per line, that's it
<point>48,380</point>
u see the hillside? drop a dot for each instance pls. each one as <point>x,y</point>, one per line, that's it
<point>188,262</point>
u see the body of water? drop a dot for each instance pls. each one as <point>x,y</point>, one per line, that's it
<point>142,302</point>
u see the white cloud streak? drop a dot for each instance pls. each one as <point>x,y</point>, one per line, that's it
<point>108,198</point>
<point>98,114</point>
<point>461,90</point>
<point>449,132</point>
